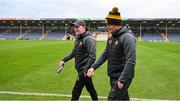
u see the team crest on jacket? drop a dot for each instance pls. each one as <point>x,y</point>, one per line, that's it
<point>80,44</point>
<point>110,41</point>
<point>116,43</point>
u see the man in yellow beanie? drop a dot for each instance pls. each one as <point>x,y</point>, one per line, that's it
<point>120,52</point>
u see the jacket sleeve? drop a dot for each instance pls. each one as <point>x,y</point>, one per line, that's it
<point>90,45</point>
<point>101,59</point>
<point>129,47</point>
<point>69,56</point>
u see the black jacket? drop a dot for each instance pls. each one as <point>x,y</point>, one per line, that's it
<point>121,54</point>
<point>84,52</point>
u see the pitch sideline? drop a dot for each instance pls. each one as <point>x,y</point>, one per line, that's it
<point>67,95</point>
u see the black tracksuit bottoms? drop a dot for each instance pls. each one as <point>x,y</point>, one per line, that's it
<point>79,85</point>
<point>119,94</point>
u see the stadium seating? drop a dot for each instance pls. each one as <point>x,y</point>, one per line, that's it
<point>55,35</point>
<point>152,37</point>
<point>33,35</point>
<point>11,34</point>
<point>174,36</point>
<point>2,31</point>
<point>150,30</point>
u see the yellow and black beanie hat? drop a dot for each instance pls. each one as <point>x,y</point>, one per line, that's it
<point>114,17</point>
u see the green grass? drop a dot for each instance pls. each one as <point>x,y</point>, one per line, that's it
<point>30,66</point>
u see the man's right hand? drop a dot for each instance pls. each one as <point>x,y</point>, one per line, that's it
<point>61,63</point>
<point>90,72</point>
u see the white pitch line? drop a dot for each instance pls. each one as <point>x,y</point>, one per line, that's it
<point>67,95</point>
<point>43,94</point>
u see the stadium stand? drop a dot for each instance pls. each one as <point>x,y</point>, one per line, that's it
<point>152,37</point>
<point>55,35</point>
<point>174,36</point>
<point>151,30</point>
<point>33,35</point>
<point>10,34</point>
<point>2,31</point>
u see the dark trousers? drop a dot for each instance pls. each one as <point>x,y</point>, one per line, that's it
<point>119,94</point>
<point>79,85</point>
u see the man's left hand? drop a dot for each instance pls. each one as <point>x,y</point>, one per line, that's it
<point>120,85</point>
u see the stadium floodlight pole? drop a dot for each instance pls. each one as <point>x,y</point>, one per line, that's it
<point>65,28</point>
<point>43,29</point>
<point>89,26</point>
<point>140,29</point>
<point>20,29</point>
<point>166,28</point>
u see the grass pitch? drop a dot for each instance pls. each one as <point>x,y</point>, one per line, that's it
<point>30,66</point>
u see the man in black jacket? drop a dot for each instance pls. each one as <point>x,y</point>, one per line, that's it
<point>121,55</point>
<point>84,53</point>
